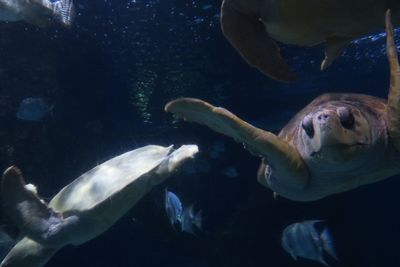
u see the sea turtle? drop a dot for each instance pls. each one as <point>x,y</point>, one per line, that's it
<point>336,143</point>
<point>251,26</point>
<point>37,12</point>
<point>86,207</point>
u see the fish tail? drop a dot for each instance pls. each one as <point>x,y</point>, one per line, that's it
<point>327,243</point>
<point>198,219</point>
<point>63,10</point>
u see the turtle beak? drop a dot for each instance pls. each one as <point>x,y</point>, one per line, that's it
<point>330,132</point>
<point>325,123</point>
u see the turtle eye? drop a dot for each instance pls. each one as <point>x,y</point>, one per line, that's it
<point>346,117</point>
<point>308,126</point>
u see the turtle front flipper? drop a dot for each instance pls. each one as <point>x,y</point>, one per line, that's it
<point>283,158</point>
<point>31,214</point>
<point>248,35</point>
<point>393,111</point>
<point>28,253</point>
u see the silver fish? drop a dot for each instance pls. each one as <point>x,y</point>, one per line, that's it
<point>32,109</point>
<point>303,240</point>
<point>37,12</point>
<point>173,207</point>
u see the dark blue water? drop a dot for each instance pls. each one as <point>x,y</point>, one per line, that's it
<point>109,77</point>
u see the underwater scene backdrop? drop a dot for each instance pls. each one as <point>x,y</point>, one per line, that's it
<point>103,84</point>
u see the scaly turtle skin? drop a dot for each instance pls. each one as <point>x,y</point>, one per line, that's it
<point>251,26</point>
<point>336,143</point>
<point>86,207</point>
<point>37,12</point>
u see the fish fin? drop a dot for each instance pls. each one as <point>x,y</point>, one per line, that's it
<point>198,220</point>
<point>30,213</point>
<point>64,11</point>
<point>187,228</point>
<point>249,37</point>
<point>328,244</point>
<point>334,47</point>
<point>187,223</point>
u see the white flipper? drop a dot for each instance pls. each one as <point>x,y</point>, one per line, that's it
<point>31,214</point>
<point>28,253</point>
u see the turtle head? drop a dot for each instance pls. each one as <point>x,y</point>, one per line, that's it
<point>335,132</point>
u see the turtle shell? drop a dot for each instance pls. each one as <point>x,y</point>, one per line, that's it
<point>103,181</point>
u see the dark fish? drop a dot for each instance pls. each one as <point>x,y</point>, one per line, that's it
<point>32,109</point>
<point>231,172</point>
<point>304,240</point>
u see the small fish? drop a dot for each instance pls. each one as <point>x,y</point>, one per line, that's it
<point>37,11</point>
<point>173,207</point>
<point>180,215</point>
<point>190,220</point>
<point>304,240</point>
<point>205,7</point>
<point>231,172</point>
<point>32,109</point>
<point>218,148</point>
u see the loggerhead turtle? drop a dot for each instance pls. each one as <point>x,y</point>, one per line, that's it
<point>336,143</point>
<point>37,12</point>
<point>251,26</point>
<point>86,207</point>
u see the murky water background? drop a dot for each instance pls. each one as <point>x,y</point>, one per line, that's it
<point>108,79</point>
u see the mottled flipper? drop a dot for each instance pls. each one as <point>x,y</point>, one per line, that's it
<point>248,35</point>
<point>394,91</point>
<point>283,157</point>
